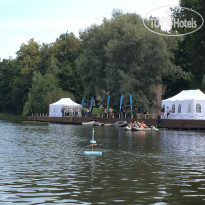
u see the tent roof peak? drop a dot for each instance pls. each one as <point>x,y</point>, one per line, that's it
<point>188,95</point>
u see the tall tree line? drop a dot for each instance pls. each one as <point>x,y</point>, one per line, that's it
<point>190,52</point>
<point>122,56</point>
<point>118,56</point>
<point>40,75</point>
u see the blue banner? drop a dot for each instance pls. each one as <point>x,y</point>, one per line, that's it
<point>131,103</point>
<point>91,103</point>
<point>82,103</point>
<point>108,101</point>
<point>121,99</point>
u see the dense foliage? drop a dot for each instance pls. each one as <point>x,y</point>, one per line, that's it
<point>190,52</point>
<point>40,75</point>
<point>120,56</point>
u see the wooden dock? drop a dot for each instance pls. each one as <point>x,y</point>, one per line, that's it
<point>164,123</point>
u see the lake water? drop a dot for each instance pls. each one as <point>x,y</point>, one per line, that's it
<point>44,164</point>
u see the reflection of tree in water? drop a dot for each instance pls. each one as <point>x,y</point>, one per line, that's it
<point>183,159</point>
<point>135,169</point>
<point>92,169</point>
<point>119,138</point>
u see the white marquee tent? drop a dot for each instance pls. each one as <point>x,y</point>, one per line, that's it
<point>188,104</point>
<point>55,109</point>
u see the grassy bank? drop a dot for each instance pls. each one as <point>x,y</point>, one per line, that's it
<point>10,117</point>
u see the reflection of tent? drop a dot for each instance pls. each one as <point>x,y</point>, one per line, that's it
<point>55,109</point>
<point>188,104</point>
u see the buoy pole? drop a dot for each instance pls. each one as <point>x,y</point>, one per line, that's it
<point>92,143</point>
<point>93,133</point>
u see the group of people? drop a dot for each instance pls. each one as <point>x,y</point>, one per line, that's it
<point>74,112</point>
<point>86,113</point>
<point>107,113</point>
<point>165,115</point>
<point>137,124</point>
<point>162,114</point>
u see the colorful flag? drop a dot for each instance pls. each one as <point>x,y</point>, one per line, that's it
<point>91,103</point>
<point>82,103</point>
<point>108,101</point>
<point>131,103</point>
<point>121,99</point>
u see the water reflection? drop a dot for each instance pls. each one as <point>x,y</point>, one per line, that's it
<point>43,164</point>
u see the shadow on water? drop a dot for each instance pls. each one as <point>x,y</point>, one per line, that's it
<point>44,164</point>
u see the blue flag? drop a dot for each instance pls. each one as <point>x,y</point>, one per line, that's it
<point>91,103</point>
<point>108,101</point>
<point>82,103</point>
<point>121,99</point>
<point>131,103</point>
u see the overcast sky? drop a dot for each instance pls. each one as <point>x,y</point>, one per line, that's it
<point>45,20</point>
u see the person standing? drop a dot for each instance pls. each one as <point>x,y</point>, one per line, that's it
<point>168,112</point>
<point>110,112</point>
<point>162,112</point>
<point>87,112</point>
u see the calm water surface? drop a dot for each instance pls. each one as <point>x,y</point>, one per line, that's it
<point>43,164</point>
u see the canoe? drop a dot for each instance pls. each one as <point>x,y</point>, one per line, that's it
<point>98,124</point>
<point>128,128</point>
<point>108,124</point>
<point>144,129</point>
<point>120,124</point>
<point>88,123</point>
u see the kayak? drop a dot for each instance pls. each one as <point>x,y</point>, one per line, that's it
<point>98,124</point>
<point>135,128</point>
<point>128,128</point>
<point>88,123</point>
<point>120,124</point>
<point>144,129</point>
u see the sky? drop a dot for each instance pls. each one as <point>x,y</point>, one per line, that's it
<point>46,20</point>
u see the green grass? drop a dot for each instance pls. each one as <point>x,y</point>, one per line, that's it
<point>10,117</point>
<point>97,111</point>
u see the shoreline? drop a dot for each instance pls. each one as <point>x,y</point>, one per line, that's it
<point>175,124</point>
<point>11,117</point>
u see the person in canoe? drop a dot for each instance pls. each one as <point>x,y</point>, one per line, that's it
<point>134,123</point>
<point>138,123</point>
<point>143,125</point>
<point>129,124</point>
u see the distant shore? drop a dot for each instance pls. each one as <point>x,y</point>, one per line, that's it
<point>10,117</point>
<point>175,124</point>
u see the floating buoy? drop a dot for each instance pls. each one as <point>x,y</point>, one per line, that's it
<point>92,152</point>
<point>92,144</point>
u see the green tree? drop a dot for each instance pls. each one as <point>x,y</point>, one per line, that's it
<point>191,53</point>
<point>70,81</point>
<point>28,57</point>
<point>44,91</point>
<point>46,57</point>
<point>122,56</point>
<point>39,74</point>
<point>9,70</point>
<point>52,67</point>
<point>203,83</point>
<point>67,48</point>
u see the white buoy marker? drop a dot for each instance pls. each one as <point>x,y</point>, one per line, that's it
<point>92,143</point>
